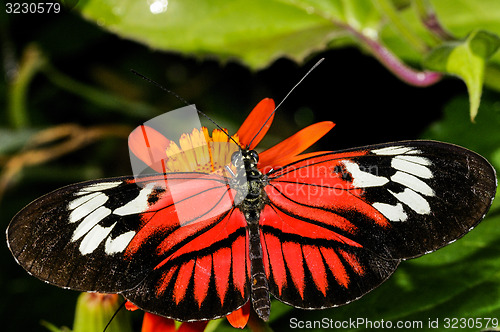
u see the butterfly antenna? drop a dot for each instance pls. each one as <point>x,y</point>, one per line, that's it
<point>287,95</point>
<point>114,315</point>
<point>182,100</point>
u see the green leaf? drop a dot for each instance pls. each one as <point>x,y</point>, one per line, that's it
<point>256,32</point>
<point>482,136</point>
<point>466,60</point>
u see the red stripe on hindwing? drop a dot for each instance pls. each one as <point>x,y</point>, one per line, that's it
<point>202,235</point>
<point>353,262</point>
<point>336,267</point>
<point>202,274</point>
<point>294,262</point>
<point>222,267</point>
<point>240,256</point>
<point>265,258</point>
<point>183,279</point>
<point>165,280</point>
<point>316,265</point>
<point>276,264</point>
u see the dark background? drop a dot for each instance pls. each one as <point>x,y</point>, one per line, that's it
<point>352,89</point>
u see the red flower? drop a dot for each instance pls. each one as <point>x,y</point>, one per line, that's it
<point>155,323</point>
<point>155,150</point>
<point>164,155</point>
<point>288,150</point>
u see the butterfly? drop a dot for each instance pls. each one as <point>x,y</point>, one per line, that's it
<point>218,226</point>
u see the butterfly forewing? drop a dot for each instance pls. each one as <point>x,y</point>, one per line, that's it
<point>339,223</point>
<point>69,238</point>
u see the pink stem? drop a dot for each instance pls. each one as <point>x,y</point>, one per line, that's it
<point>395,65</point>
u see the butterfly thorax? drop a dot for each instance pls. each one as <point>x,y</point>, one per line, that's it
<point>252,186</point>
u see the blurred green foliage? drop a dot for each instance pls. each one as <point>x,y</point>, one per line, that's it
<point>69,100</point>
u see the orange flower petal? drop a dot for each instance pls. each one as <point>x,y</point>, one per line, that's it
<point>155,323</point>
<point>239,318</point>
<point>130,306</point>
<point>254,122</point>
<point>148,145</point>
<point>295,144</point>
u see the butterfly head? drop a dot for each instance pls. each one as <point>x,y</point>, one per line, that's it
<point>250,158</point>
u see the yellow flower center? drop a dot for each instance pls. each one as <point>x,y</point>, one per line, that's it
<point>198,152</point>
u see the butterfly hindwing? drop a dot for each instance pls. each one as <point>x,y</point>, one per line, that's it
<point>350,217</point>
<point>310,265</point>
<point>205,277</point>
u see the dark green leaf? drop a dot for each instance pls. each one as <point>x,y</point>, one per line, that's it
<point>467,60</point>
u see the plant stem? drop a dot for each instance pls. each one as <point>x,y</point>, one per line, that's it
<point>398,68</point>
<point>430,21</point>
<point>32,61</point>
<point>393,63</point>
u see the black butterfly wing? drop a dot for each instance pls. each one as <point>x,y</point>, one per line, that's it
<point>339,223</point>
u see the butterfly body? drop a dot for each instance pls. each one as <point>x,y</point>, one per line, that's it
<point>316,231</point>
<point>251,207</point>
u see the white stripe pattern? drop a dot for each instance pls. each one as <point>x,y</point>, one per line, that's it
<point>88,210</point>
<point>411,169</point>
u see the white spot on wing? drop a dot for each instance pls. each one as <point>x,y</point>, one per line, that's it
<point>362,179</point>
<point>98,187</point>
<point>87,207</point>
<point>413,183</point>
<point>413,200</point>
<point>391,212</point>
<point>90,221</point>
<point>395,150</point>
<point>138,204</point>
<point>94,238</point>
<point>80,200</point>
<point>415,159</point>
<point>119,243</point>
<point>411,167</point>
